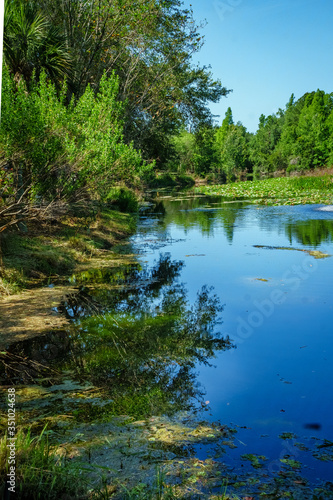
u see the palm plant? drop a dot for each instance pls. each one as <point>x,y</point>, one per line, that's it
<point>31,43</point>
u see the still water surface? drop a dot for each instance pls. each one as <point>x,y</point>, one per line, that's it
<point>278,311</point>
<point>150,338</point>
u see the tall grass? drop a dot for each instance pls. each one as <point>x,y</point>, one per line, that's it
<point>40,474</point>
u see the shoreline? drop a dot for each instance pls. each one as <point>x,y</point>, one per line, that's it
<point>28,296</point>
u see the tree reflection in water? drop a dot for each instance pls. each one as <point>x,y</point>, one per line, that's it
<point>139,342</point>
<point>310,232</point>
<point>144,349</point>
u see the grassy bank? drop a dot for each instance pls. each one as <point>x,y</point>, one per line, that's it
<point>172,180</point>
<point>54,248</point>
<point>278,191</point>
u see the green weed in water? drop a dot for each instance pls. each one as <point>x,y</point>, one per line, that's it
<point>279,191</point>
<point>39,473</point>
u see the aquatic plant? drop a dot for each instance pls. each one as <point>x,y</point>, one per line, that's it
<point>40,473</point>
<point>278,191</point>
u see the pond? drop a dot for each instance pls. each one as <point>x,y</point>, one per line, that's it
<point>213,345</point>
<point>272,269</point>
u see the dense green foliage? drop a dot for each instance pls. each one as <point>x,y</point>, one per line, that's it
<point>99,96</point>
<point>298,138</point>
<point>63,151</point>
<point>31,43</point>
<point>93,96</point>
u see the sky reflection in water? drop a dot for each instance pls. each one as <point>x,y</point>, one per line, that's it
<point>278,310</point>
<point>145,334</point>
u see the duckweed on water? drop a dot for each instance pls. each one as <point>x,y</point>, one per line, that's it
<point>254,459</point>
<point>295,464</point>
<point>279,191</point>
<point>127,372</point>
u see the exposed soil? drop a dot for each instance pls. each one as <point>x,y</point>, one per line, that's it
<point>31,313</point>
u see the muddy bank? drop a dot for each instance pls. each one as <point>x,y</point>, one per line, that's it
<point>37,269</point>
<point>31,313</point>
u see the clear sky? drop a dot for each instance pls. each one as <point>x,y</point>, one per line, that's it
<point>265,50</point>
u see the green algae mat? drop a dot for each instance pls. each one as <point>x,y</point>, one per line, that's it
<point>278,191</point>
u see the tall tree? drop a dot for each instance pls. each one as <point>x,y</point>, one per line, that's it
<point>222,132</point>
<point>31,43</point>
<point>313,131</point>
<point>149,44</point>
<point>235,153</point>
<point>264,142</point>
<point>205,158</point>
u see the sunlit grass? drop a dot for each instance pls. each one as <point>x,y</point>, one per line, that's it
<point>55,250</point>
<point>39,473</point>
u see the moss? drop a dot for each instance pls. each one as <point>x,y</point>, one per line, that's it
<point>172,180</point>
<point>57,249</point>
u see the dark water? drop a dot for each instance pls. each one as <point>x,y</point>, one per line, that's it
<point>278,310</point>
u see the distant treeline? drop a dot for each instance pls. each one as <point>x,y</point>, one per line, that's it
<point>297,138</point>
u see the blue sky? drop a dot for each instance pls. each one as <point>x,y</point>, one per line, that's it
<point>265,50</point>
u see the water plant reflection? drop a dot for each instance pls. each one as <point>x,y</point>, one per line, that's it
<point>206,213</point>
<point>203,213</point>
<point>138,343</point>
<point>144,349</point>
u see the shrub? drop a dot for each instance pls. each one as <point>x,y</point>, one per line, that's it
<point>123,199</point>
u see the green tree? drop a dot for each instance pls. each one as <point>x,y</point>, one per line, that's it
<point>205,157</point>
<point>222,132</point>
<point>184,152</point>
<point>149,45</point>
<point>231,143</point>
<point>31,43</point>
<point>312,144</point>
<point>235,154</point>
<point>289,129</point>
<point>264,143</point>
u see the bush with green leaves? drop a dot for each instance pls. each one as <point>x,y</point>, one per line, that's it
<point>123,199</point>
<point>95,140</point>
<point>28,145</point>
<point>63,151</point>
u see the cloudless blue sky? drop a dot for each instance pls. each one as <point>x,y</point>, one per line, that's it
<point>265,50</point>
